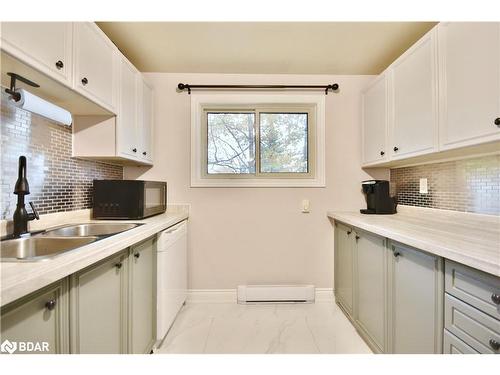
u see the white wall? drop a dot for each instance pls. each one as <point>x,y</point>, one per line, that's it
<point>259,235</point>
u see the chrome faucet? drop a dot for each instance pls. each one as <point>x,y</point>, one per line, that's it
<point>21,216</point>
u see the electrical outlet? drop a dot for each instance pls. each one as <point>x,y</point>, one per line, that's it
<point>423,186</point>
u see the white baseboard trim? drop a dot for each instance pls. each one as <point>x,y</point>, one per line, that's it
<point>324,295</point>
<point>211,295</point>
<point>230,295</point>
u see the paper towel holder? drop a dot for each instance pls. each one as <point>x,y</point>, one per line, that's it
<point>12,90</point>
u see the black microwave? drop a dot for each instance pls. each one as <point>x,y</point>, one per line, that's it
<point>128,199</point>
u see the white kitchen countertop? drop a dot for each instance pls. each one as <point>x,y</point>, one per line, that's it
<point>21,278</point>
<point>470,239</point>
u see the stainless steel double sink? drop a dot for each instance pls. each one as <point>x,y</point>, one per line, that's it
<point>55,241</point>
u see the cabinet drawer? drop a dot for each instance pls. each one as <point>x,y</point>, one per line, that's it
<point>474,287</point>
<point>475,328</point>
<point>453,345</point>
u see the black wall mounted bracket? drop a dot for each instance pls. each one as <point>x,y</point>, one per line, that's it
<point>12,90</point>
<point>184,86</point>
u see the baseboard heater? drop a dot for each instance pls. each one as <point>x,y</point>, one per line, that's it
<point>276,293</point>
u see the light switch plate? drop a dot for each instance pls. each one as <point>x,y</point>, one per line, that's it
<point>305,205</point>
<point>423,186</point>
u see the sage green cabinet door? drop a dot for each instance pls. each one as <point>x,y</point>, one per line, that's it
<point>370,287</point>
<point>453,345</point>
<point>343,267</point>
<point>41,317</point>
<point>416,301</point>
<point>99,307</point>
<point>142,296</point>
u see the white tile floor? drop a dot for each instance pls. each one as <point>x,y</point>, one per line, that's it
<point>223,328</point>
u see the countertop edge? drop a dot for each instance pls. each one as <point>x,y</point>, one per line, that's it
<point>13,290</point>
<point>421,244</point>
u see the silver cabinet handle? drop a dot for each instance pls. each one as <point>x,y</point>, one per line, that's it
<point>118,265</point>
<point>495,345</point>
<point>495,298</point>
<point>137,255</point>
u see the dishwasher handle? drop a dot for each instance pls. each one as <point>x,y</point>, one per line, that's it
<point>171,234</point>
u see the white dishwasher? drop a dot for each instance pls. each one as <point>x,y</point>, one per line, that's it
<point>172,276</point>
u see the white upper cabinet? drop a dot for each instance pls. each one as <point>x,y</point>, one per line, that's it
<point>126,120</point>
<point>413,100</point>
<point>469,71</point>
<point>134,119</point>
<point>146,115</point>
<point>374,114</point>
<point>46,46</point>
<point>95,65</point>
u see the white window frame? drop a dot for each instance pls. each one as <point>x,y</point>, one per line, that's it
<point>200,101</point>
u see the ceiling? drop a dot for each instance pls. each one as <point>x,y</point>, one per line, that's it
<point>264,47</point>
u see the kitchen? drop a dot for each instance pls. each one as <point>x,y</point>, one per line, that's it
<point>159,201</point>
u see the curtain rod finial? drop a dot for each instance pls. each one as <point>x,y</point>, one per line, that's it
<point>184,86</point>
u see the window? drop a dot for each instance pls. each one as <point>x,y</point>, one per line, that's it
<point>230,143</point>
<point>252,140</point>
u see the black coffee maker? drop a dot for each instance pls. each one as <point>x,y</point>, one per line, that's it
<point>378,198</point>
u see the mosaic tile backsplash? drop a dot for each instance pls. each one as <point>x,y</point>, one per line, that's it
<point>469,185</point>
<point>57,181</point>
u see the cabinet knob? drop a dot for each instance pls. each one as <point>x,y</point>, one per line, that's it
<point>497,121</point>
<point>495,345</point>
<point>395,149</point>
<point>85,81</point>
<point>137,255</point>
<point>144,153</point>
<point>396,254</point>
<point>118,265</point>
<point>357,237</point>
<point>59,65</point>
<point>134,149</point>
<point>50,305</point>
<point>349,232</point>
<point>382,153</point>
<point>495,298</point>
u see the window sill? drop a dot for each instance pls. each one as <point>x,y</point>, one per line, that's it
<point>256,183</point>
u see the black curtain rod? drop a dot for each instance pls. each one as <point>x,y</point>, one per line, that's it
<point>185,86</point>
